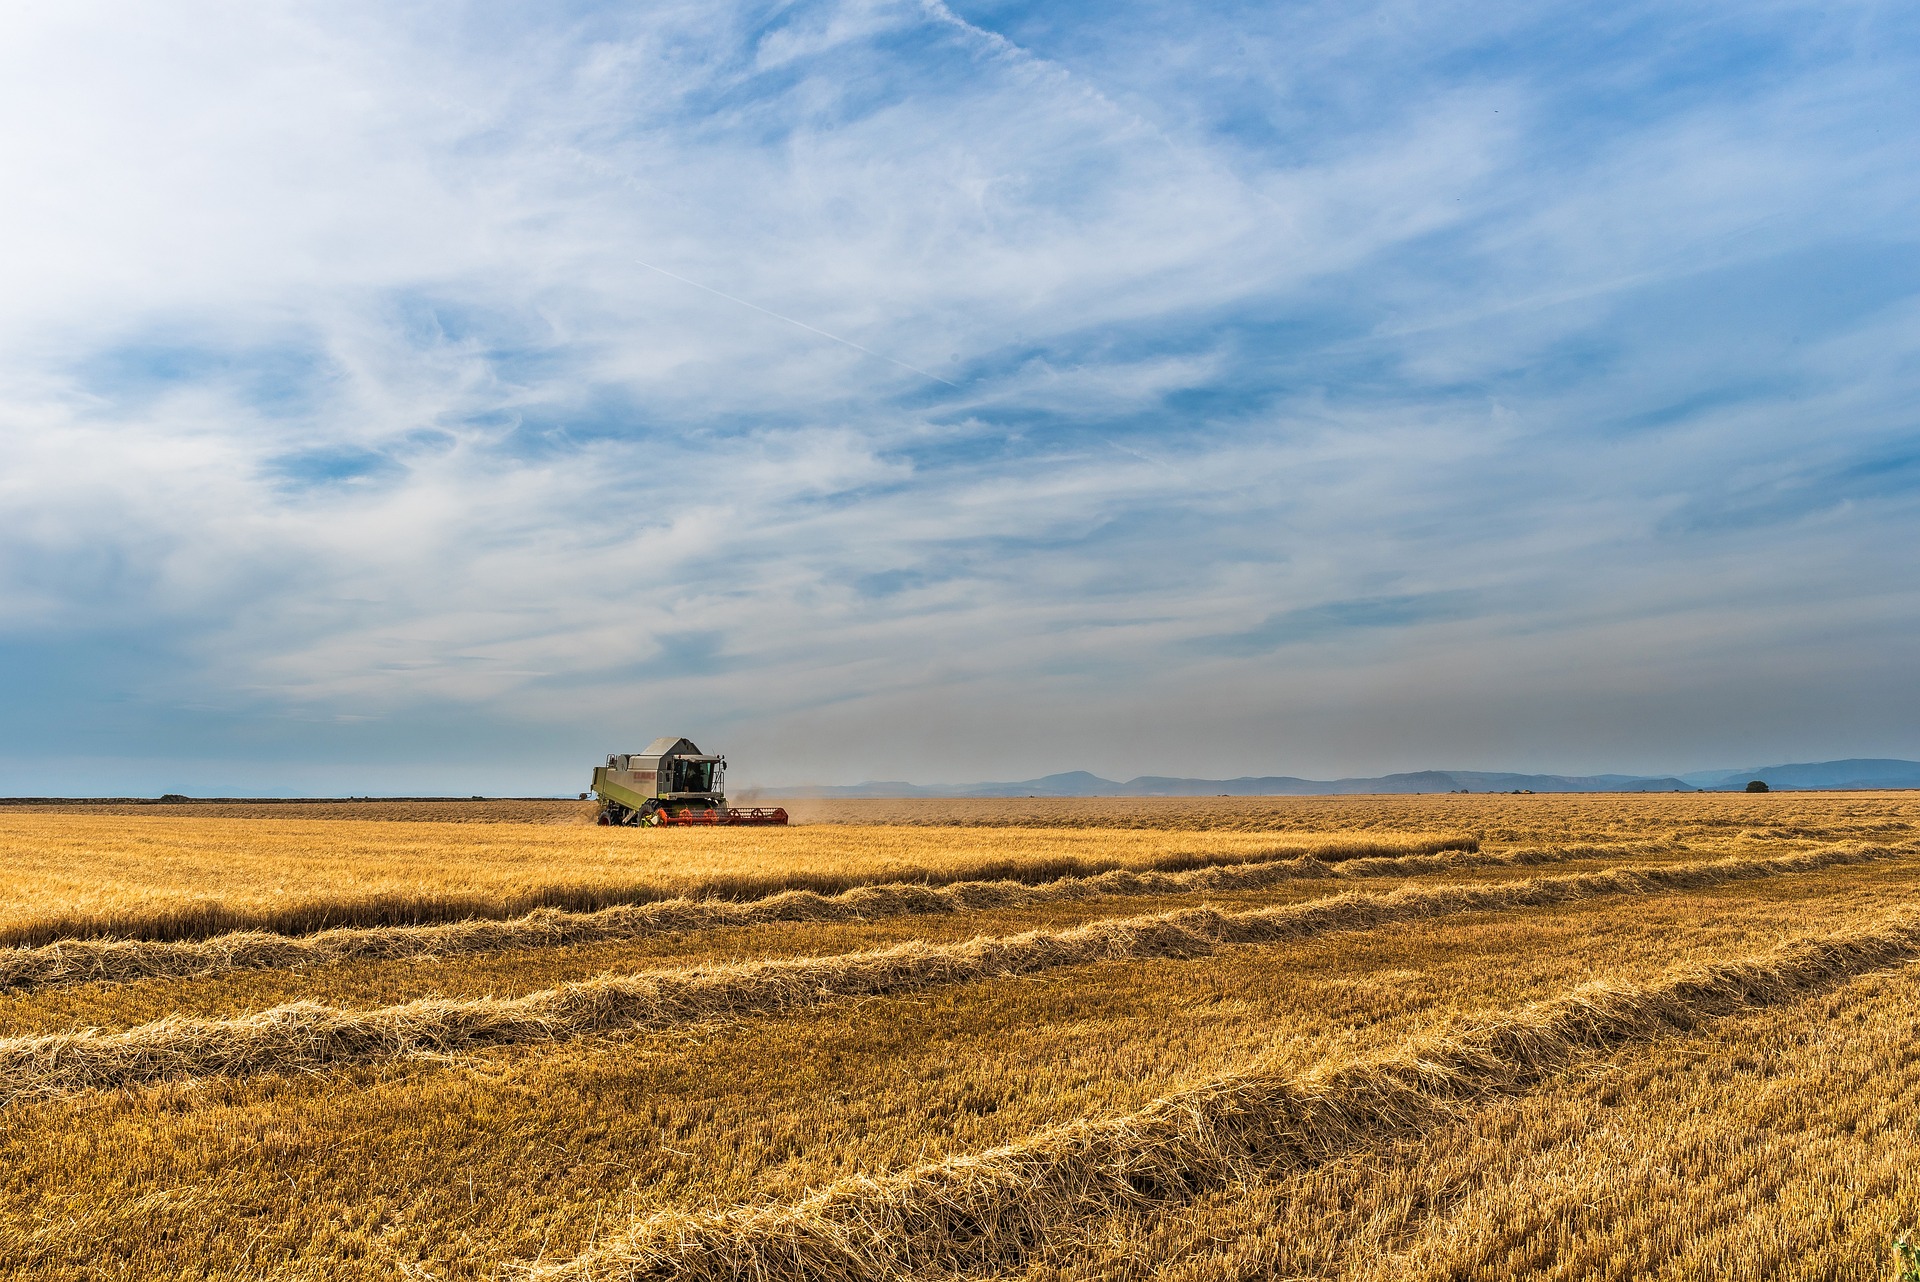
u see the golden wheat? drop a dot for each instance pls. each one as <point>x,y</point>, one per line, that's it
<point>1497,817</point>
<point>71,961</point>
<point>306,1035</point>
<point>369,810</point>
<point>73,876</point>
<point>1777,1144</point>
<point>410,1169</point>
<point>991,1210</point>
<point>1774,1143</point>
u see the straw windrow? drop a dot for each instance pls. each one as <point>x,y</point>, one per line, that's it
<point>200,920</point>
<point>76,961</point>
<point>994,1210</point>
<point>308,1036</point>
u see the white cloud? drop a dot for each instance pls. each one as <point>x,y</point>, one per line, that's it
<point>329,352</point>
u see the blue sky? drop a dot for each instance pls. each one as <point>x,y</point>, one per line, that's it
<point>433,397</point>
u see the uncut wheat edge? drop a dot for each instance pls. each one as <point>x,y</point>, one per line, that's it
<point>991,1210</point>
<point>305,1036</point>
<point>79,961</point>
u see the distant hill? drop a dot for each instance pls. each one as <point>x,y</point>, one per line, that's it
<point>1829,775</point>
<point>1839,776</point>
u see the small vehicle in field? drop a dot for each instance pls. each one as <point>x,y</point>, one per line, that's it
<point>672,782</point>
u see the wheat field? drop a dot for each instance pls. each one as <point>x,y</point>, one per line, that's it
<point>1433,1037</point>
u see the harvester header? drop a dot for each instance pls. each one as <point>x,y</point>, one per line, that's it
<point>672,782</point>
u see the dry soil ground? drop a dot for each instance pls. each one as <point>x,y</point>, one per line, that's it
<point>1446,1037</point>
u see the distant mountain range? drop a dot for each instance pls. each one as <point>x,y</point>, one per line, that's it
<point>1829,775</point>
<point>1854,772</point>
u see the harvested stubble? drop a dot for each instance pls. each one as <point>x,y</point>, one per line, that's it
<point>74,961</point>
<point>1778,1144</point>
<point>993,1210</point>
<point>70,876</point>
<point>411,1170</point>
<point>308,1036</point>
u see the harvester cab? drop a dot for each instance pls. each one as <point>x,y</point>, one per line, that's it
<point>672,782</point>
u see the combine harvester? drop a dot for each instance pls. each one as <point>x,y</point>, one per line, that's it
<point>672,782</point>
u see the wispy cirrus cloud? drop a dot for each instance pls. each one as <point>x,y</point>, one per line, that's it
<point>1317,390</point>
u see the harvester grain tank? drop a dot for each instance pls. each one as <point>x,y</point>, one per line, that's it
<point>672,782</point>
